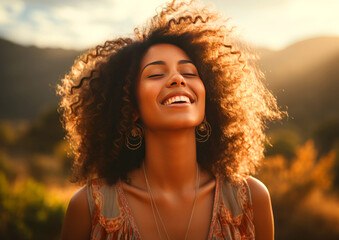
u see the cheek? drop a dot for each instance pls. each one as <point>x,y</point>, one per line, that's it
<point>202,100</point>
<point>147,98</point>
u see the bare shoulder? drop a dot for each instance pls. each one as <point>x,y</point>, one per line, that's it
<point>77,222</point>
<point>262,210</point>
<point>259,191</point>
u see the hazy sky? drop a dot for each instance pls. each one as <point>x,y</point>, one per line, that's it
<point>80,24</point>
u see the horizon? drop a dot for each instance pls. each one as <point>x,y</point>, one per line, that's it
<point>84,49</point>
<point>66,24</point>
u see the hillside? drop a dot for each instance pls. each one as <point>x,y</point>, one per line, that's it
<point>298,58</point>
<point>312,96</point>
<point>28,75</point>
<point>305,78</point>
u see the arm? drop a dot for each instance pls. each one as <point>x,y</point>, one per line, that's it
<point>262,210</point>
<point>77,222</point>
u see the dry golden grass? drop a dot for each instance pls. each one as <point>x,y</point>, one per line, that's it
<point>326,206</point>
<point>304,202</point>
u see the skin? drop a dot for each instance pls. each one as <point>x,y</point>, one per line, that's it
<point>77,222</point>
<point>170,158</point>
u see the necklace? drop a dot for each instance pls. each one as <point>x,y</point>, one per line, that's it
<point>154,205</point>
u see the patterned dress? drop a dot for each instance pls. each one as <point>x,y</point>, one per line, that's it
<point>112,218</point>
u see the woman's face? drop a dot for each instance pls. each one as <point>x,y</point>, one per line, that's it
<point>170,92</point>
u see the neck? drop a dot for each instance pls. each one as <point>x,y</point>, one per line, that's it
<point>170,159</point>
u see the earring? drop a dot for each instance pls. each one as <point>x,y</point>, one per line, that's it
<point>134,136</point>
<point>203,131</point>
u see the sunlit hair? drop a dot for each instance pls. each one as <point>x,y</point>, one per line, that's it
<point>98,100</point>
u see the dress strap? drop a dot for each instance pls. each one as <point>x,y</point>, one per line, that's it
<point>127,209</point>
<point>215,208</point>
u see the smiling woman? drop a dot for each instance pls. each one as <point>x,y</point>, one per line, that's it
<point>166,128</point>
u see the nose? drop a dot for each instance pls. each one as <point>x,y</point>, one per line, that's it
<point>176,80</point>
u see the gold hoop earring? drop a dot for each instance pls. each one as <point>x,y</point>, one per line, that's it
<point>203,131</point>
<point>134,136</point>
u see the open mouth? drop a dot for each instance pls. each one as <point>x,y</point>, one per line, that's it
<point>177,100</point>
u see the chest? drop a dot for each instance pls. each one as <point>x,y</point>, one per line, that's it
<point>172,217</point>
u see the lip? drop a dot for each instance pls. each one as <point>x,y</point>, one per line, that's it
<point>178,93</point>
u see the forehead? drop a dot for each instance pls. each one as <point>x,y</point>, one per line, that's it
<point>164,52</point>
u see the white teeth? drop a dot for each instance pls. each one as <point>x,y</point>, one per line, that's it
<point>177,99</point>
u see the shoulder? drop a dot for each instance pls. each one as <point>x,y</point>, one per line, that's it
<point>79,200</point>
<point>259,191</point>
<point>77,222</point>
<point>262,209</point>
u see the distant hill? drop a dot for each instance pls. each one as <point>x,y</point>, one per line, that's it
<point>304,77</point>
<point>27,76</point>
<point>298,58</point>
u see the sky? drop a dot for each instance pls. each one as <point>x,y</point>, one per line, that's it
<point>79,24</point>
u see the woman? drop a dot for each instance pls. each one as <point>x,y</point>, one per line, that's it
<point>166,128</point>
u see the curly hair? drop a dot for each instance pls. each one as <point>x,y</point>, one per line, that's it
<point>98,100</point>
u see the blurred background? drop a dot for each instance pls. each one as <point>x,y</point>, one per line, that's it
<point>298,45</point>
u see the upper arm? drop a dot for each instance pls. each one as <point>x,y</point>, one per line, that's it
<point>77,222</point>
<point>262,210</point>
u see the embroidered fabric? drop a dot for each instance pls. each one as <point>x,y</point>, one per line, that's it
<point>232,217</point>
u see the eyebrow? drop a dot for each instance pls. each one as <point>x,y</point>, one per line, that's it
<point>185,61</point>
<point>163,63</point>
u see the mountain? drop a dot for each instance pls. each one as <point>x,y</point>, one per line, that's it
<point>298,58</point>
<point>28,76</point>
<point>304,77</point>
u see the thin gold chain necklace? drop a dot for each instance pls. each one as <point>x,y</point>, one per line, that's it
<point>154,205</point>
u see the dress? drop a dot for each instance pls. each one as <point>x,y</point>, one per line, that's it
<point>112,218</point>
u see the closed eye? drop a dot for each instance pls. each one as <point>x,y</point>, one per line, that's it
<point>189,74</point>
<point>155,75</point>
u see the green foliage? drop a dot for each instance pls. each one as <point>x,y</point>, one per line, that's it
<point>28,212</point>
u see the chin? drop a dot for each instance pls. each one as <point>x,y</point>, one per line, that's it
<point>173,121</point>
<point>183,123</point>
